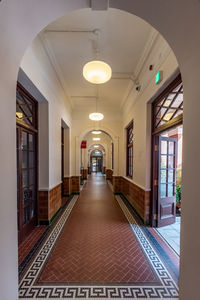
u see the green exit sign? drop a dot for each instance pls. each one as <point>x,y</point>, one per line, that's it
<point>158,77</point>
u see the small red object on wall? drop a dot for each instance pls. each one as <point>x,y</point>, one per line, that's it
<point>150,67</point>
<point>83,144</point>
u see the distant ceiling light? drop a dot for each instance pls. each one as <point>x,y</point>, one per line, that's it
<point>168,116</point>
<point>96,132</point>
<point>96,139</point>
<point>96,146</point>
<point>96,116</point>
<point>19,115</point>
<point>97,72</point>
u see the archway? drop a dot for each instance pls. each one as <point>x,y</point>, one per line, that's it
<point>182,44</point>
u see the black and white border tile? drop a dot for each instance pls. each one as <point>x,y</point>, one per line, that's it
<point>28,289</point>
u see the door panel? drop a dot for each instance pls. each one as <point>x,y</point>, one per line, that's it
<point>26,181</point>
<point>167,181</point>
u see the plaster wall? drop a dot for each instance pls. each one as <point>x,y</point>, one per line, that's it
<point>37,67</point>
<point>138,109</point>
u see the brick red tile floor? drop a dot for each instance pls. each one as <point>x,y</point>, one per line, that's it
<point>28,243</point>
<point>97,245</point>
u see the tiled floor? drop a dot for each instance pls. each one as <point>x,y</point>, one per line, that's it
<point>171,234</point>
<point>25,247</point>
<point>98,250</point>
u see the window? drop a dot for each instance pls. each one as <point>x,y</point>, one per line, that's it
<point>26,109</point>
<point>168,107</point>
<point>129,150</point>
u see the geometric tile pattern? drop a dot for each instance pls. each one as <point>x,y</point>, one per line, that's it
<point>27,244</point>
<point>97,245</point>
<point>165,288</point>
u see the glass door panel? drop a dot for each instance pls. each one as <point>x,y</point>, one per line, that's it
<point>167,181</point>
<point>26,180</point>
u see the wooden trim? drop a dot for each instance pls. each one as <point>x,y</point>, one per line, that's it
<point>21,126</point>
<point>128,146</point>
<point>24,92</point>
<point>155,146</point>
<point>169,125</point>
<point>168,89</point>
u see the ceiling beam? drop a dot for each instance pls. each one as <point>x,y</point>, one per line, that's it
<point>99,4</point>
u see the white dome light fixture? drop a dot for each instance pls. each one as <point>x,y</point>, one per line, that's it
<point>97,72</point>
<point>96,132</point>
<point>96,146</point>
<point>96,116</point>
<point>96,139</point>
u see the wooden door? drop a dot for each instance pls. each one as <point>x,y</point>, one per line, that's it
<point>62,160</point>
<point>26,181</point>
<point>167,181</point>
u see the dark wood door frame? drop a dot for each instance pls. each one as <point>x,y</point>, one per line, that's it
<point>24,229</point>
<point>62,160</point>
<point>156,132</point>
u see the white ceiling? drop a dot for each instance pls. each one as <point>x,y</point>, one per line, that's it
<point>123,39</point>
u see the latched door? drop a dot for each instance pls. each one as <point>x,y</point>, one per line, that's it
<point>167,181</point>
<point>26,181</point>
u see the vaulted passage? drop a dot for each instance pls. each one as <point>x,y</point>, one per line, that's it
<point>96,245</point>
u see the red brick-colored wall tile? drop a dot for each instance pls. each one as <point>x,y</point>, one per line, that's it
<point>55,200</point>
<point>139,198</point>
<point>43,205</point>
<point>49,203</point>
<point>109,173</point>
<point>75,184</point>
<point>67,186</point>
<point>84,173</point>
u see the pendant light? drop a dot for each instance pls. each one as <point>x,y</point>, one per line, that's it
<point>97,71</point>
<point>96,132</point>
<point>96,116</point>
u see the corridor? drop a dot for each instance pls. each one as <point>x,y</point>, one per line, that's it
<point>97,249</point>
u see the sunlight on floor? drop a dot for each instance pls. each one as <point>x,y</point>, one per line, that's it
<point>171,234</point>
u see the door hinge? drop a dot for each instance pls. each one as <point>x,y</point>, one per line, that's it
<point>155,216</point>
<point>155,182</point>
<point>156,147</point>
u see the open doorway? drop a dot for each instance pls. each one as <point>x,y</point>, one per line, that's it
<point>167,162</point>
<point>96,161</point>
<point>170,165</point>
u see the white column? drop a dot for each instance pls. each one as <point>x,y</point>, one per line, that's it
<point>77,156</point>
<point>116,156</point>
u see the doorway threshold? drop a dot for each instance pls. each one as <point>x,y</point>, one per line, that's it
<point>171,235</point>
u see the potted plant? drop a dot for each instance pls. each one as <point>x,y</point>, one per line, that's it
<point>178,197</point>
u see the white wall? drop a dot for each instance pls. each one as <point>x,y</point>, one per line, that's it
<point>37,67</point>
<point>43,145</point>
<point>137,109</point>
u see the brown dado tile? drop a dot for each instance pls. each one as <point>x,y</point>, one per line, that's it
<point>109,174</point>
<point>84,173</point>
<point>139,198</point>
<point>67,186</point>
<point>49,202</point>
<point>75,184</point>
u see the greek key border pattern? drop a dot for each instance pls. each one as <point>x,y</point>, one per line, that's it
<point>29,290</point>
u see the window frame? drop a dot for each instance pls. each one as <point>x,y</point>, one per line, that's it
<point>174,120</point>
<point>129,148</point>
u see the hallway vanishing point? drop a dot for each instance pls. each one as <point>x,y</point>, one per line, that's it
<point>98,249</point>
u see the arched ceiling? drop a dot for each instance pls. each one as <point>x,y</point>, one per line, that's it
<point>123,40</point>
